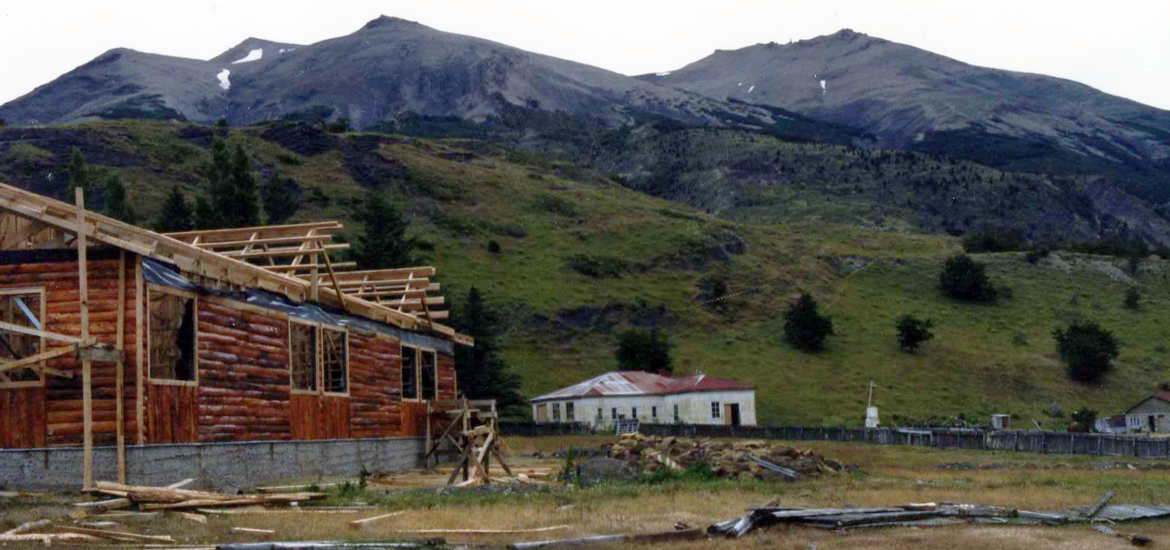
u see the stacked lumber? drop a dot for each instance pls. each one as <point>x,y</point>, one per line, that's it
<point>738,459</point>
<point>162,498</point>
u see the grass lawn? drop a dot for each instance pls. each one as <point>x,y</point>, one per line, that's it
<point>890,476</point>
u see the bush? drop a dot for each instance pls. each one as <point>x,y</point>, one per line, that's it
<point>598,267</point>
<point>1083,420</point>
<point>994,240</point>
<point>1036,254</point>
<point>644,350</point>
<point>493,247</point>
<point>804,327</point>
<point>912,331</point>
<point>1087,350</point>
<point>965,279</point>
<point>1133,298</point>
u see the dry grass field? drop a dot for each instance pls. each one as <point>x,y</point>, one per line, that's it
<point>889,476</point>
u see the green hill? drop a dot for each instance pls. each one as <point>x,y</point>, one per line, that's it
<point>582,257</point>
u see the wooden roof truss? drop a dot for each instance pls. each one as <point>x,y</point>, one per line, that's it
<point>292,260</point>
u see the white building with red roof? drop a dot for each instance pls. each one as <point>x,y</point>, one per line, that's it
<point>650,398</point>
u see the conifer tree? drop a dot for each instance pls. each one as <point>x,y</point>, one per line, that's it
<point>117,206</point>
<point>482,373</point>
<point>78,176</point>
<point>384,243</point>
<point>276,195</point>
<point>176,213</point>
<point>232,194</point>
<point>205,215</point>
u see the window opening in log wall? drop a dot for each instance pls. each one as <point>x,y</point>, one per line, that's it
<point>334,360</point>
<point>172,336</point>
<point>24,307</point>
<point>409,372</point>
<point>303,344</point>
<point>430,389</point>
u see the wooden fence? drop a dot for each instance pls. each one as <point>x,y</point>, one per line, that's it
<point>942,438</point>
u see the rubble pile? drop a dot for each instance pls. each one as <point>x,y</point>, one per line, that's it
<point>732,459</point>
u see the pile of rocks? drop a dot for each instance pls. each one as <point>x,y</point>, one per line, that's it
<point>732,459</point>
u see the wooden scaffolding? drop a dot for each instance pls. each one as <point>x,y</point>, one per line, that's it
<point>470,433</point>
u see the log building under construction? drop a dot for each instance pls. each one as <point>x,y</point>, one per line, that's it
<point>113,334</point>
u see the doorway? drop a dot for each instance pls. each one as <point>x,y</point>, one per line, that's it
<point>731,414</point>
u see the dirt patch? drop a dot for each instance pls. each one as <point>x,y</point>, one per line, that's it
<point>301,139</point>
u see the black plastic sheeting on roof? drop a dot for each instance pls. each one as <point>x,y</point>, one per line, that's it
<point>161,274</point>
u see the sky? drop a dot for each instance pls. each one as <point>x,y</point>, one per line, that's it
<point>1119,46</point>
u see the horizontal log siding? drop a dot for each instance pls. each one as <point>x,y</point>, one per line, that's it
<point>60,415</point>
<point>375,364</point>
<point>243,375</point>
<point>445,376</point>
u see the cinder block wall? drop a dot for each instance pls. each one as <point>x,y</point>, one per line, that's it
<point>215,466</point>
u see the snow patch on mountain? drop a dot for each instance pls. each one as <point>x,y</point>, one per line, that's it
<point>253,55</point>
<point>223,79</point>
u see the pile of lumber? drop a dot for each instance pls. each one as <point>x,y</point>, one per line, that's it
<point>165,498</point>
<point>739,459</point>
<point>934,514</point>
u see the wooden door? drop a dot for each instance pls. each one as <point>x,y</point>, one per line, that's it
<point>22,418</point>
<point>316,416</point>
<point>542,413</point>
<point>173,413</point>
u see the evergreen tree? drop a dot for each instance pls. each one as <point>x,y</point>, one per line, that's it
<point>176,213</point>
<point>645,350</point>
<point>78,176</point>
<point>205,215</point>
<point>965,279</point>
<point>117,206</point>
<point>279,201</point>
<point>232,194</point>
<point>1088,350</point>
<point>912,331</point>
<point>804,327</point>
<point>384,243</point>
<point>482,373</point>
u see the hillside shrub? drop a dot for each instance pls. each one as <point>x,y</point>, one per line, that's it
<point>1087,350</point>
<point>994,240</point>
<point>965,279</point>
<point>1133,298</point>
<point>912,332</point>
<point>645,350</point>
<point>598,267</point>
<point>1083,420</point>
<point>493,247</point>
<point>804,327</point>
<point>1036,254</point>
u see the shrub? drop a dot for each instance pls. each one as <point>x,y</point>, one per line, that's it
<point>1133,298</point>
<point>644,350</point>
<point>804,327</point>
<point>965,279</point>
<point>1036,254</point>
<point>912,331</point>
<point>598,267</point>
<point>1083,420</point>
<point>994,240</point>
<point>493,247</point>
<point>1087,350</point>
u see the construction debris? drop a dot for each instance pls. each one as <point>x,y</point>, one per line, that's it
<point>251,531</point>
<point>932,515</point>
<point>161,498</point>
<point>361,523</point>
<point>1136,540</point>
<point>741,459</point>
<point>688,534</point>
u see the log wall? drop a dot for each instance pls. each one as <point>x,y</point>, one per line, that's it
<point>55,418</point>
<point>243,389</point>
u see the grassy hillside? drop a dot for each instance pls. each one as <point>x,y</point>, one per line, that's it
<point>554,222</point>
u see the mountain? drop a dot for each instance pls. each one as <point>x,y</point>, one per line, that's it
<point>913,99</point>
<point>578,259</point>
<point>388,67</point>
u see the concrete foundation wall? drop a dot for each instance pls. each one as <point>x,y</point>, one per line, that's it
<point>216,466</point>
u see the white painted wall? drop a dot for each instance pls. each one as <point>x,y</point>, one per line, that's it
<point>694,408</point>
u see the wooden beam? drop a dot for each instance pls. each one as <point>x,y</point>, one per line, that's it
<point>261,241</point>
<point>282,252</point>
<point>86,364</point>
<point>33,359</point>
<point>119,372</point>
<point>410,273</point>
<point>13,239</point>
<point>333,276</point>
<point>308,267</point>
<point>21,329</point>
<point>209,235</point>
<point>139,352</point>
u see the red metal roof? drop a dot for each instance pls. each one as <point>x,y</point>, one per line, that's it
<point>633,383</point>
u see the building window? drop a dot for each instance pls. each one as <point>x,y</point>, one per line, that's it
<point>171,335</point>
<point>715,410</point>
<point>303,350</point>
<point>556,407</point>
<point>634,412</point>
<point>23,307</point>
<point>653,412</point>
<point>334,360</point>
<point>427,375</point>
<point>570,414</point>
<point>600,415</point>
<point>409,372</point>
<point>613,413</point>
<point>676,417</point>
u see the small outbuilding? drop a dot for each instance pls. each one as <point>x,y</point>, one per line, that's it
<point>649,398</point>
<point>1150,415</point>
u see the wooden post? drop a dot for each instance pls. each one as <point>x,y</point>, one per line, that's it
<point>86,364</point>
<point>120,372</point>
<point>139,351</point>
<point>429,442</point>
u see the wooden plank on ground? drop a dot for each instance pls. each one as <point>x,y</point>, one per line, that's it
<point>362,523</point>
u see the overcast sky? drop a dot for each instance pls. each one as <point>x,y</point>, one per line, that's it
<point>1119,46</point>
